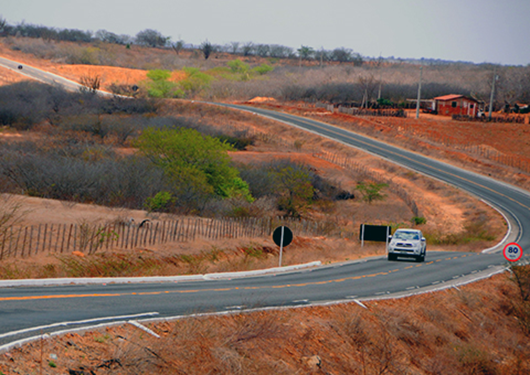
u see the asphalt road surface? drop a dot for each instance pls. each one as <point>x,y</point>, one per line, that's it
<point>43,76</point>
<point>25,307</point>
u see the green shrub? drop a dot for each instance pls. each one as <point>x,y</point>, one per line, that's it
<point>193,162</point>
<point>161,202</point>
<point>372,191</point>
<point>195,81</point>
<point>263,69</point>
<point>238,66</point>
<point>238,143</point>
<point>160,87</point>
<point>419,220</point>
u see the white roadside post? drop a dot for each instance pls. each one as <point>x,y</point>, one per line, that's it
<point>281,245</point>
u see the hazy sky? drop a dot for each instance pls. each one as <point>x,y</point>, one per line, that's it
<point>496,31</point>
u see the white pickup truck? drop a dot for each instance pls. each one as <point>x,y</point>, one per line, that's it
<point>408,243</point>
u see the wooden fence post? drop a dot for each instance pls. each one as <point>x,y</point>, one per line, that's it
<point>127,237</point>
<point>163,236</point>
<point>58,238</point>
<point>16,243</point>
<point>30,240</point>
<point>92,235</point>
<point>49,240</point>
<point>62,241</point>
<point>3,246</point>
<point>24,243</point>
<point>69,237</point>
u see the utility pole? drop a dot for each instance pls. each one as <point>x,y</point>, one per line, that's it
<point>380,78</point>
<point>418,101</point>
<point>492,92</point>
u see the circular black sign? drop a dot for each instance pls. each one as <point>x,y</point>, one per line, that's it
<point>287,236</point>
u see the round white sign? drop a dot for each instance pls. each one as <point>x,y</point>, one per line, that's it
<point>513,252</point>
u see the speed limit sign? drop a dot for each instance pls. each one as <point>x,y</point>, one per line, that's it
<point>513,252</point>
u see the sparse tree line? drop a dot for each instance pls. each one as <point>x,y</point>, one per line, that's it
<point>155,39</point>
<point>381,83</point>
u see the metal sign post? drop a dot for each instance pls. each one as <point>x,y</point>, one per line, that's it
<point>282,236</point>
<point>281,246</point>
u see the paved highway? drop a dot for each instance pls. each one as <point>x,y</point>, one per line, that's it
<point>43,76</point>
<point>24,307</point>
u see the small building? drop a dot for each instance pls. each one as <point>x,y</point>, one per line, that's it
<point>449,105</point>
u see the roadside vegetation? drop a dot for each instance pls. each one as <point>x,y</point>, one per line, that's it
<point>179,164</point>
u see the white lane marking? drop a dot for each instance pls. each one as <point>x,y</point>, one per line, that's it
<point>301,301</point>
<point>360,303</point>
<point>351,297</point>
<point>14,344</point>
<point>143,328</point>
<point>411,287</point>
<point>13,333</point>
<point>436,282</point>
<point>236,307</point>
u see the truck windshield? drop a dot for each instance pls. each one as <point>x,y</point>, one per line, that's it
<point>406,236</point>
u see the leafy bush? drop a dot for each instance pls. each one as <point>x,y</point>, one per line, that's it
<point>193,161</point>
<point>161,202</point>
<point>419,220</point>
<point>371,192</point>
<point>160,87</point>
<point>238,66</point>
<point>263,69</point>
<point>237,143</point>
<point>195,81</point>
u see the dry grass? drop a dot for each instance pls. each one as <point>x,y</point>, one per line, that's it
<point>447,210</point>
<point>439,137</point>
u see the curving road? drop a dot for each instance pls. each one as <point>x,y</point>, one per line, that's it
<point>44,76</point>
<point>25,307</point>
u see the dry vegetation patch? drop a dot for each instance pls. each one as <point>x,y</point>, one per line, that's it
<point>494,149</point>
<point>454,219</point>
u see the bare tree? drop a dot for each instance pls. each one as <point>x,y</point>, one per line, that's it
<point>151,38</point>
<point>368,85</point>
<point>248,49</point>
<point>234,47</point>
<point>262,50</point>
<point>178,46</point>
<point>90,83</point>
<point>207,49</point>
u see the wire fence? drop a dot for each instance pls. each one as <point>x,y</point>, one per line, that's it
<point>517,119</point>
<point>26,241</point>
<point>361,171</point>
<point>482,151</point>
<point>385,112</point>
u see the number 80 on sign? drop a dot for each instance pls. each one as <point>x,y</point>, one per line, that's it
<point>513,252</point>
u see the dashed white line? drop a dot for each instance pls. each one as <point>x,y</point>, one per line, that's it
<point>235,307</point>
<point>61,324</point>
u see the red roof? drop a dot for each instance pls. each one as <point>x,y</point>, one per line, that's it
<point>453,97</point>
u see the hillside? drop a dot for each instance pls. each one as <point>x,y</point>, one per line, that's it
<point>445,332</point>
